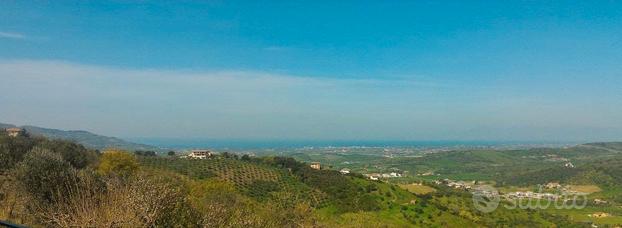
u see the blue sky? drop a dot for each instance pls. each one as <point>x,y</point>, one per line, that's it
<point>435,70</point>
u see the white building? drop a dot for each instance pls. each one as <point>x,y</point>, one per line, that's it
<point>200,154</point>
<point>344,171</point>
<point>315,165</point>
<point>373,176</point>
<point>14,132</point>
<point>553,185</point>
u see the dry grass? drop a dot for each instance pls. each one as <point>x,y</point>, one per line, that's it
<point>589,189</point>
<point>85,207</point>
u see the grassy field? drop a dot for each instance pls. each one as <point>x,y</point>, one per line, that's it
<point>582,215</point>
<point>589,189</point>
<point>417,189</point>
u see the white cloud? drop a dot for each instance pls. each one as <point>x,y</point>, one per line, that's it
<point>249,104</point>
<point>236,103</point>
<point>12,35</point>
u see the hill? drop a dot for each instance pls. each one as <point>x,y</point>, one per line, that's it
<point>346,200</point>
<point>79,187</point>
<point>85,138</point>
<point>606,173</point>
<point>616,146</point>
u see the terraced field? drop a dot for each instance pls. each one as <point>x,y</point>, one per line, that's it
<point>256,180</point>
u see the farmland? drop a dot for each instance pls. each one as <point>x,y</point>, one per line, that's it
<point>253,179</point>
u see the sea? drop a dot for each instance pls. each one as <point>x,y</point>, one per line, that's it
<point>243,144</point>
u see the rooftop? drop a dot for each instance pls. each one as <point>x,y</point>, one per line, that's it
<point>14,129</point>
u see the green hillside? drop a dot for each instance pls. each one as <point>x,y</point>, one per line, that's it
<point>347,200</point>
<point>55,183</point>
<point>606,173</point>
<point>258,181</point>
<point>85,138</point>
<point>609,145</point>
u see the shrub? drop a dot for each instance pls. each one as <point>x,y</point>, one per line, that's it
<point>12,151</point>
<point>77,155</point>
<point>146,199</point>
<point>159,200</point>
<point>221,206</point>
<point>43,174</point>
<point>91,202</point>
<point>117,162</point>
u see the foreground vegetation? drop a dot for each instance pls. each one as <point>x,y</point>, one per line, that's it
<point>53,183</point>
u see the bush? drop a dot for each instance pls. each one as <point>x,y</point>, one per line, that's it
<point>77,155</point>
<point>148,153</point>
<point>221,206</point>
<point>43,175</point>
<point>12,151</point>
<point>159,200</point>
<point>117,162</point>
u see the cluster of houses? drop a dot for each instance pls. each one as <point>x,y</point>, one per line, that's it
<point>553,185</point>
<point>377,176</point>
<point>456,184</point>
<point>561,188</point>
<point>472,186</point>
<point>483,190</point>
<point>371,176</point>
<point>556,158</point>
<point>199,154</point>
<point>531,195</point>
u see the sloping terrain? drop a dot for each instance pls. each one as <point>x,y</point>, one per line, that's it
<point>606,173</point>
<point>615,146</point>
<point>255,180</point>
<point>85,138</point>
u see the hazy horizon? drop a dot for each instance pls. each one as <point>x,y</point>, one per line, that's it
<point>252,144</point>
<point>472,71</point>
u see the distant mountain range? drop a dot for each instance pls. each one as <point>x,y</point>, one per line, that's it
<point>85,138</point>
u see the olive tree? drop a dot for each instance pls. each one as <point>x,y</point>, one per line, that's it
<point>44,175</point>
